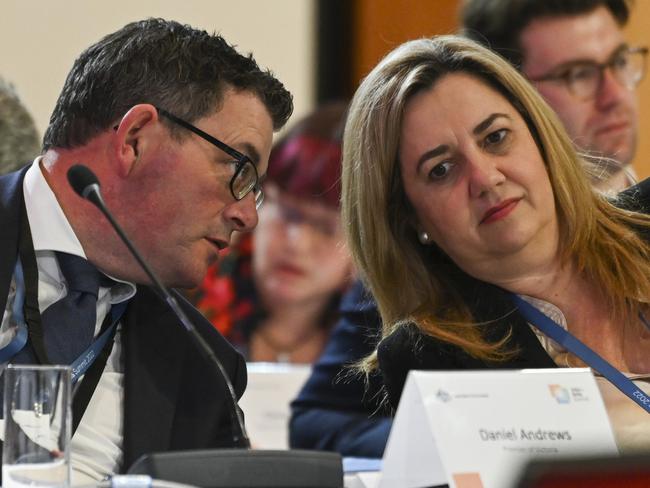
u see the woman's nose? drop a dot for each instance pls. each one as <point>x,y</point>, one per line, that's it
<point>485,174</point>
<point>299,235</point>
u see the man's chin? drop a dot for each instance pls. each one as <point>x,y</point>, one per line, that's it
<point>622,156</point>
<point>621,150</point>
<point>186,280</point>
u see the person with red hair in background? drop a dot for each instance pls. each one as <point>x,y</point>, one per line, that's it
<point>276,292</point>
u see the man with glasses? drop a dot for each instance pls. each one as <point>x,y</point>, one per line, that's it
<point>575,53</point>
<point>177,126</point>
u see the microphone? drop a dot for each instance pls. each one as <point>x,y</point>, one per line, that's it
<point>86,185</point>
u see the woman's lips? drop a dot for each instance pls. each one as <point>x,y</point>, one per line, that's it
<point>500,211</point>
<point>288,269</point>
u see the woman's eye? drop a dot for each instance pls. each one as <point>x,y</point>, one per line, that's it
<point>440,170</point>
<point>496,137</point>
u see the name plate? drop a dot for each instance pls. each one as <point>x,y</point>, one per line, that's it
<point>478,429</point>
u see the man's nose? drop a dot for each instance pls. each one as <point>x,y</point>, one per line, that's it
<point>243,213</point>
<point>610,91</point>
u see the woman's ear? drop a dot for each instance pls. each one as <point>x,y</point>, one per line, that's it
<point>132,135</point>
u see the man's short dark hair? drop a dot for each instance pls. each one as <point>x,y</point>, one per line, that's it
<point>497,24</point>
<point>165,63</point>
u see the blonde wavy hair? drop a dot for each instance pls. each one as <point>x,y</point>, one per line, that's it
<point>412,283</point>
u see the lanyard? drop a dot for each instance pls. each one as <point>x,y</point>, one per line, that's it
<point>92,361</point>
<point>19,339</point>
<point>29,316</point>
<point>85,360</point>
<point>572,344</point>
<point>80,365</point>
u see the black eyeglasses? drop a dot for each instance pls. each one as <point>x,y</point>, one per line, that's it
<point>245,178</point>
<point>583,79</point>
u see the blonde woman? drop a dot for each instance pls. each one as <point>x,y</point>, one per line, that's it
<point>467,207</point>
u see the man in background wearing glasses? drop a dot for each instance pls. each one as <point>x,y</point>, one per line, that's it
<point>575,53</point>
<point>177,126</point>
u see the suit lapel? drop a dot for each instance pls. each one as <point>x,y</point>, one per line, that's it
<point>11,194</point>
<point>153,372</point>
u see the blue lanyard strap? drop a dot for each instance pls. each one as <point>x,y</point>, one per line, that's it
<point>80,365</point>
<point>572,344</point>
<point>19,339</point>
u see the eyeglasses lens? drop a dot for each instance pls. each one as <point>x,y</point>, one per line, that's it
<point>628,68</point>
<point>245,181</point>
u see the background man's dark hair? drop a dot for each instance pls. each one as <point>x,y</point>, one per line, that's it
<point>165,63</point>
<point>497,24</point>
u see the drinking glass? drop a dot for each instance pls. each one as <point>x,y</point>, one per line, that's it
<point>37,417</point>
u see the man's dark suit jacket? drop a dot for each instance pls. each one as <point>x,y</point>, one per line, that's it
<point>173,398</point>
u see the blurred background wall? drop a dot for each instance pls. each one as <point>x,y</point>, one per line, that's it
<point>39,39</point>
<point>319,48</point>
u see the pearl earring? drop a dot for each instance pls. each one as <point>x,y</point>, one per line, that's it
<point>424,237</point>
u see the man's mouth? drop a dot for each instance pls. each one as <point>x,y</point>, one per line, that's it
<point>612,127</point>
<point>220,244</point>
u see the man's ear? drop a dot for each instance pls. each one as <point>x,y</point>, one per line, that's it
<point>132,135</point>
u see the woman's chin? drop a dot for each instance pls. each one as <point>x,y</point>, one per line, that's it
<point>284,294</point>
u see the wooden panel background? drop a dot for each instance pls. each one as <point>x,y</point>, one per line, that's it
<point>638,32</point>
<point>381,25</point>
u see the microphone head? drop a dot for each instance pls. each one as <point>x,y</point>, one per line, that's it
<point>80,178</point>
